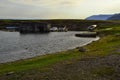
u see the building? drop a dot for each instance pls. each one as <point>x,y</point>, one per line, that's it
<point>58,28</point>
<point>54,29</point>
<point>62,29</point>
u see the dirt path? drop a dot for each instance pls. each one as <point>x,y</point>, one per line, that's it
<point>105,68</point>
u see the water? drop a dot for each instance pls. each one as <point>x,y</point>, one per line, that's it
<point>16,46</point>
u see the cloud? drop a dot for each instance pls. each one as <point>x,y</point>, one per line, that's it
<point>39,8</point>
<point>47,3</point>
<point>16,10</point>
<point>114,8</point>
<point>56,8</point>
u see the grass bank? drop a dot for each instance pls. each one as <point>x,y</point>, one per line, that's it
<point>107,45</point>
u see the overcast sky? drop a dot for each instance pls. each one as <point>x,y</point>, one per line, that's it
<point>56,9</point>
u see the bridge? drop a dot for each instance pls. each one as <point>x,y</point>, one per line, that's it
<point>34,27</point>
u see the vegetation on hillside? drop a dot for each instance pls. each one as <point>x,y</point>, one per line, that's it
<point>72,24</point>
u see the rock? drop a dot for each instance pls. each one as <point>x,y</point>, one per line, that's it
<point>117,34</point>
<point>118,50</point>
<point>9,73</point>
<point>87,34</point>
<point>26,48</point>
<point>82,49</point>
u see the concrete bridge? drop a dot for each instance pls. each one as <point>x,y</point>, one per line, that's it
<point>34,27</point>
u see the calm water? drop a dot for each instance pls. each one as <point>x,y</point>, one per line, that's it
<point>15,46</point>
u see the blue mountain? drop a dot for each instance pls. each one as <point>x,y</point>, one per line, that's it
<point>104,17</point>
<point>99,17</point>
<point>115,17</point>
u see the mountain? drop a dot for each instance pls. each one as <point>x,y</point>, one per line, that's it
<point>104,17</point>
<point>114,17</point>
<point>99,17</point>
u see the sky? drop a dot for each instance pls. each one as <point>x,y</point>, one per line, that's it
<point>56,9</point>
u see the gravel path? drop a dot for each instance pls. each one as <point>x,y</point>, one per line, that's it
<point>105,68</point>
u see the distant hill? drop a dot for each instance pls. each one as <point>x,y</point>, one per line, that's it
<point>99,17</point>
<point>114,17</point>
<point>104,17</point>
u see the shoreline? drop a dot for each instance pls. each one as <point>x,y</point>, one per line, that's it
<point>99,62</point>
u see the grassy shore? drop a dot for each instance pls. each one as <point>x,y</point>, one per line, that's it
<point>45,67</point>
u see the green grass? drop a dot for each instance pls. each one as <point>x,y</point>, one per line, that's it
<point>38,62</point>
<point>105,46</point>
